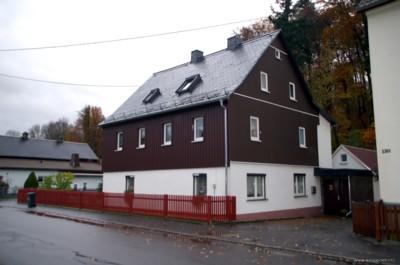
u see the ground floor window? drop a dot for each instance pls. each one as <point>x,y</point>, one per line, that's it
<point>299,181</point>
<point>200,184</point>
<point>256,186</point>
<point>129,183</point>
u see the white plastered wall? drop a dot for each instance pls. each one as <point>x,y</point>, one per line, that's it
<point>324,143</point>
<point>172,181</point>
<point>17,178</point>
<point>92,182</point>
<point>383,28</point>
<point>279,187</point>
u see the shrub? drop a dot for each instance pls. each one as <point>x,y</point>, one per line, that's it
<point>63,180</point>
<point>47,182</point>
<point>31,181</point>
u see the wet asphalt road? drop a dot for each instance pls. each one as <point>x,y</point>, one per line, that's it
<point>30,239</point>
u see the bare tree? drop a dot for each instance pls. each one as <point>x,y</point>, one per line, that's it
<point>13,133</point>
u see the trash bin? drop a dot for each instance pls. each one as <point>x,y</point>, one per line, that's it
<point>31,199</point>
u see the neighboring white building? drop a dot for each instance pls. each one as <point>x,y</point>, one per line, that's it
<point>19,156</point>
<point>384,40</point>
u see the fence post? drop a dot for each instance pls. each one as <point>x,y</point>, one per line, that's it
<point>103,197</point>
<point>209,208</point>
<point>378,225</point>
<point>165,207</point>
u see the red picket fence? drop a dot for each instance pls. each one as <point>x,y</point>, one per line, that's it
<point>203,208</point>
<point>376,219</point>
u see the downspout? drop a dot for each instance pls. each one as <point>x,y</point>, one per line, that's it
<point>225,144</point>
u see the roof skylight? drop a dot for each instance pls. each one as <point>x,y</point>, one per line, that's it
<point>189,84</point>
<point>154,93</point>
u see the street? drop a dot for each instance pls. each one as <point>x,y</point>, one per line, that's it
<point>30,239</point>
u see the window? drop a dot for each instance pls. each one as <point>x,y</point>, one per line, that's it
<point>200,184</point>
<point>154,93</point>
<point>264,82</point>
<point>299,181</point>
<point>292,91</point>
<point>254,129</point>
<point>167,134</point>
<point>189,84</point>
<point>120,141</point>
<point>277,54</point>
<point>343,157</point>
<point>129,184</point>
<point>302,137</point>
<point>256,186</point>
<point>142,137</point>
<point>198,129</point>
<point>40,179</point>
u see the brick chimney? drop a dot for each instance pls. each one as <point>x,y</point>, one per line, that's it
<point>234,42</point>
<point>197,56</point>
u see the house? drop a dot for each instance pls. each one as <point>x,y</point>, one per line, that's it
<point>239,121</point>
<point>354,177</point>
<point>19,156</point>
<point>383,26</point>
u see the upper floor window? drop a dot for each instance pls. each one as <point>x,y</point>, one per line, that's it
<point>343,157</point>
<point>142,137</point>
<point>198,129</point>
<point>302,137</point>
<point>254,129</point>
<point>167,134</point>
<point>120,141</point>
<point>292,91</point>
<point>277,54</point>
<point>299,181</point>
<point>264,82</point>
<point>255,186</point>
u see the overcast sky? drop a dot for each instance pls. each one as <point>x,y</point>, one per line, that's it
<point>42,23</point>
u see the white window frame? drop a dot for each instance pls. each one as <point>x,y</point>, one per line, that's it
<point>255,138</point>
<point>277,54</point>
<point>296,182</point>
<point>304,144</point>
<point>120,141</point>
<point>165,142</point>
<point>292,96</point>
<point>264,75</point>
<point>255,185</point>
<point>196,188</point>
<point>140,144</point>
<point>197,138</point>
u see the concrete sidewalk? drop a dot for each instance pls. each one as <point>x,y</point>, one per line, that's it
<point>323,237</point>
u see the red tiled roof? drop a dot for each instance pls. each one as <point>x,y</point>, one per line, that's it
<point>367,156</point>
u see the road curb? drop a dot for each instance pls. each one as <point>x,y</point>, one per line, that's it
<point>117,225</point>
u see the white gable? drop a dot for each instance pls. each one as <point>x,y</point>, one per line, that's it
<point>352,162</point>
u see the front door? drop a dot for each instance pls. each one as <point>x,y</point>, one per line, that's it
<point>336,196</point>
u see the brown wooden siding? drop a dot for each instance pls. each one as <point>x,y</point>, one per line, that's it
<point>278,126</point>
<point>181,154</point>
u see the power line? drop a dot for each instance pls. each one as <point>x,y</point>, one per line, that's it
<point>127,38</point>
<point>60,82</point>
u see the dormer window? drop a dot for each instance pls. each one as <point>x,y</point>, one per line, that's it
<point>154,93</point>
<point>189,84</point>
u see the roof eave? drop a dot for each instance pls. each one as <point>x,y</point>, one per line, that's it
<point>366,8</point>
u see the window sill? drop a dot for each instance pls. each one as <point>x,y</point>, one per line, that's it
<point>293,99</point>
<point>300,196</point>
<point>118,150</point>
<point>256,199</point>
<point>256,140</point>
<point>303,147</point>
<point>140,147</point>
<point>166,144</point>
<point>266,91</point>
<point>197,141</point>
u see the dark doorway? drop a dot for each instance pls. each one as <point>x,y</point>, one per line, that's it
<point>336,196</point>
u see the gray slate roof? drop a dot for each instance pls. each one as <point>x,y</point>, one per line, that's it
<point>45,149</point>
<point>365,5</point>
<point>221,73</point>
